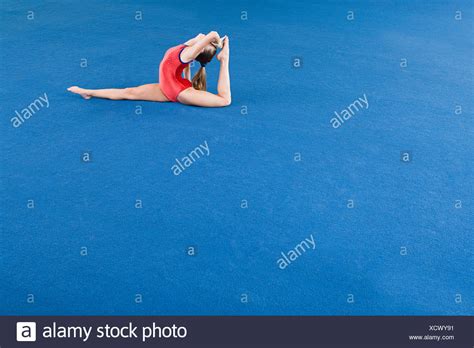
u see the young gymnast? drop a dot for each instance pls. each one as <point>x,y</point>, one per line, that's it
<point>175,80</point>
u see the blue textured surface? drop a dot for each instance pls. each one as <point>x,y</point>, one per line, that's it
<point>142,251</point>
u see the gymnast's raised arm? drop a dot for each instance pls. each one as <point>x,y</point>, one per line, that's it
<point>195,39</point>
<point>192,51</point>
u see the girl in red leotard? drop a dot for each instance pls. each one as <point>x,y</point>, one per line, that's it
<point>175,80</point>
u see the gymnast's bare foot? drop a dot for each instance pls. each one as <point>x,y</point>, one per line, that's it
<point>81,91</point>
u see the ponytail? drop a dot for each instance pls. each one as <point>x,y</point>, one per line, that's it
<point>199,80</point>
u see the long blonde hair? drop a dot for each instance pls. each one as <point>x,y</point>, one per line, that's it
<point>199,79</point>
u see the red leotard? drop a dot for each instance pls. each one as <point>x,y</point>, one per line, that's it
<point>171,68</point>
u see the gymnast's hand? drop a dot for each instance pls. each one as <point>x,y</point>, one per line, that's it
<point>223,55</point>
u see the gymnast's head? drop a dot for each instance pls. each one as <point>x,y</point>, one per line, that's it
<point>208,52</point>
